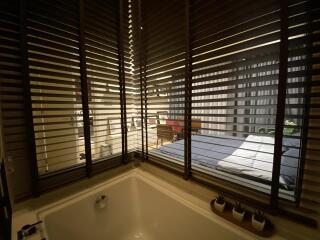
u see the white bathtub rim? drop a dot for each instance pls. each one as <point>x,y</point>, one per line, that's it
<point>170,190</point>
<point>42,212</point>
<point>66,201</point>
<point>184,198</point>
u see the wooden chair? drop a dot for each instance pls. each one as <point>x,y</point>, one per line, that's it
<point>164,132</point>
<point>195,125</point>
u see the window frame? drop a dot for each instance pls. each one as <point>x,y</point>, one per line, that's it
<point>274,203</point>
<point>90,168</point>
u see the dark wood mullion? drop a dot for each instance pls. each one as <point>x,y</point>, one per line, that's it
<point>124,86</point>
<point>145,104</point>
<point>122,83</point>
<point>84,89</point>
<point>188,92</point>
<point>144,84</point>
<point>120,76</point>
<point>306,110</point>
<point>27,96</point>
<point>141,64</point>
<point>124,91</point>
<point>281,100</point>
<point>235,111</point>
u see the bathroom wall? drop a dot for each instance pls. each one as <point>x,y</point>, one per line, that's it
<point>8,164</point>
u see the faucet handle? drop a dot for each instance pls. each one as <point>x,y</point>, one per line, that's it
<point>28,230</point>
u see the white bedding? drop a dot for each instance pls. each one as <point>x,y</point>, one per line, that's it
<point>249,157</point>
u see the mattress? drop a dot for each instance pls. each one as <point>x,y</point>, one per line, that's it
<point>249,157</point>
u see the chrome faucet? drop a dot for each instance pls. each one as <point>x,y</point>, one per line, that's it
<point>28,230</point>
<point>101,201</point>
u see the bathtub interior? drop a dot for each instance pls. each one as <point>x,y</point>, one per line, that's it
<point>135,209</point>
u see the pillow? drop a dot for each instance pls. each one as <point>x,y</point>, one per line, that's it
<point>267,143</point>
<point>260,139</point>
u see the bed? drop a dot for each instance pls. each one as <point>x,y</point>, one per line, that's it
<point>249,157</point>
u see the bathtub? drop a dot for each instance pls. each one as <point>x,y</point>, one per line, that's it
<point>136,205</point>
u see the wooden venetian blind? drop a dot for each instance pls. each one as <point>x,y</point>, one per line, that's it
<point>131,89</point>
<point>136,64</point>
<point>54,71</point>
<point>235,75</point>
<point>10,84</point>
<point>235,65</point>
<point>74,57</point>
<point>304,48</point>
<point>102,62</point>
<point>12,93</point>
<point>163,36</point>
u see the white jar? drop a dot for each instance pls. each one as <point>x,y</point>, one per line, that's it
<point>238,216</point>
<point>219,206</point>
<point>257,225</point>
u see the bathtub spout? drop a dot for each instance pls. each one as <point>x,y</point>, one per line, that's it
<point>101,201</point>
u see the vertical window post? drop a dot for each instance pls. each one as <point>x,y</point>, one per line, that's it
<point>144,83</point>
<point>84,90</point>
<point>141,64</point>
<point>143,79</point>
<point>122,83</point>
<point>145,105</point>
<point>27,97</point>
<point>188,92</point>
<point>281,100</point>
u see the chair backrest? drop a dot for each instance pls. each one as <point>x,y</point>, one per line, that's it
<point>196,124</point>
<point>152,121</point>
<point>165,132</point>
